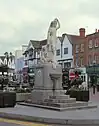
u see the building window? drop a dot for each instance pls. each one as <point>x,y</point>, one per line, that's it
<point>57,52</point>
<point>90,43</point>
<point>81,61</point>
<point>77,48</point>
<point>96,42</point>
<point>35,54</point>
<point>82,48</point>
<point>77,62</point>
<point>65,50</point>
<point>67,65</point>
<point>89,59</point>
<point>30,53</point>
<point>96,58</point>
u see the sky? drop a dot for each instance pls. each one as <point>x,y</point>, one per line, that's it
<point>23,20</point>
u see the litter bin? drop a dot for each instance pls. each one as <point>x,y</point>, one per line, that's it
<point>7,99</point>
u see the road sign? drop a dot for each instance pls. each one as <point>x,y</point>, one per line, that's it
<point>71,75</point>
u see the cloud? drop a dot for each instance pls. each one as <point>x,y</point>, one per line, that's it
<point>22,20</point>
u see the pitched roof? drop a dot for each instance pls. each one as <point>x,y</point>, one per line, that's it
<point>62,37</point>
<point>96,34</point>
<point>43,42</point>
<point>38,44</point>
<point>35,44</point>
<point>75,39</point>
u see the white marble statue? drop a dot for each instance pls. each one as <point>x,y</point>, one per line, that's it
<point>44,55</point>
<point>50,48</point>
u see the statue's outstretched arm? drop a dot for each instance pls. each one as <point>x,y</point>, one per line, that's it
<point>58,26</point>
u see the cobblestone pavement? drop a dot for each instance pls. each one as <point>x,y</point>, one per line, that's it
<point>9,122</point>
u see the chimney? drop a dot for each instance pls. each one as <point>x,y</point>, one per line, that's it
<point>82,32</point>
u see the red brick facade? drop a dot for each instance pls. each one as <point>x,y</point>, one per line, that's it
<point>85,48</point>
<point>93,48</point>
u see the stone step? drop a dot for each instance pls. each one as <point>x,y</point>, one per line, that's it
<point>59,97</point>
<point>64,105</point>
<point>71,100</point>
<point>90,106</point>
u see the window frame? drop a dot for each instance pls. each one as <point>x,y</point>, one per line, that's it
<point>96,44</point>
<point>89,59</point>
<point>77,48</point>
<point>66,50</point>
<point>82,48</point>
<point>96,57</point>
<point>58,54</point>
<point>81,61</point>
<point>90,44</point>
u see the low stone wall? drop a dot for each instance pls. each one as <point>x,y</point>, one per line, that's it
<point>22,96</point>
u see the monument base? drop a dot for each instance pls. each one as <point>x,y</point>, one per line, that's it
<point>39,96</point>
<point>48,82</point>
<point>48,92</point>
<point>62,103</point>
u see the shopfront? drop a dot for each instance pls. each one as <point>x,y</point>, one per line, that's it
<point>93,73</point>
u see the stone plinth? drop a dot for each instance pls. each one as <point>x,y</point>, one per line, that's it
<point>48,82</point>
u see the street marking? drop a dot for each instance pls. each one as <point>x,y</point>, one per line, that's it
<point>23,123</point>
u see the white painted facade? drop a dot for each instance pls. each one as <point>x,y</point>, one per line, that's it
<point>65,58</point>
<point>34,55</point>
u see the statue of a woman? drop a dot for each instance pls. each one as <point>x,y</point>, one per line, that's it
<point>51,43</point>
<point>52,38</point>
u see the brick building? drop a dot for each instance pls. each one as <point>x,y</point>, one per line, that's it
<point>92,48</point>
<point>79,48</point>
<point>85,48</point>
